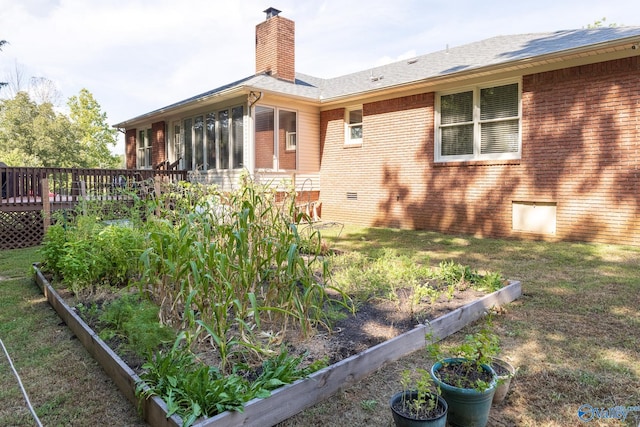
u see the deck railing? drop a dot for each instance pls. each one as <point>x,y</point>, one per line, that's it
<point>22,187</point>
<point>30,195</point>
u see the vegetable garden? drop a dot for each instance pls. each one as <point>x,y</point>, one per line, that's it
<point>211,289</point>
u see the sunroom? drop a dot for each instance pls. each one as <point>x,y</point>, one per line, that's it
<point>217,135</point>
<point>267,124</point>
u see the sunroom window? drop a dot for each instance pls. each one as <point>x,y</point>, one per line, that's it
<point>276,138</point>
<point>212,141</point>
<point>481,123</point>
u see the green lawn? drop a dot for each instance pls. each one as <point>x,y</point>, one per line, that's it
<point>65,385</point>
<point>574,335</point>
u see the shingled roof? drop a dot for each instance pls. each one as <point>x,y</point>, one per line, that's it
<point>497,52</point>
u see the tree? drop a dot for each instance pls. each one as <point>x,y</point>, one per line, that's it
<point>40,89</point>
<point>93,133</point>
<point>44,90</point>
<point>32,133</point>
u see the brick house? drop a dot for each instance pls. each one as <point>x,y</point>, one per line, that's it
<point>526,136</point>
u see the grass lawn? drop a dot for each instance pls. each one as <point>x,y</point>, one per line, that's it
<point>65,385</point>
<point>574,335</point>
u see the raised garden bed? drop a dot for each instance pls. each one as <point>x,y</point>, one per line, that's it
<point>293,398</point>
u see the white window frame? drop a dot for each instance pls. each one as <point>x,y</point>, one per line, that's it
<point>176,147</point>
<point>477,155</point>
<point>208,143</point>
<point>291,138</point>
<point>291,143</point>
<point>144,159</point>
<point>347,126</point>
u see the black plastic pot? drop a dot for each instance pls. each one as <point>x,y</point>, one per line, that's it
<point>403,420</point>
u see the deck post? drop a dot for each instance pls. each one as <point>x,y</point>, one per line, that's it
<point>46,204</point>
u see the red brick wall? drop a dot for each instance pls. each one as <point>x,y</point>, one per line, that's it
<point>158,143</point>
<point>275,48</point>
<point>130,148</point>
<point>586,157</point>
<point>580,150</point>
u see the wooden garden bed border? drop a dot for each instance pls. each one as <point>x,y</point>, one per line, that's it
<point>290,399</point>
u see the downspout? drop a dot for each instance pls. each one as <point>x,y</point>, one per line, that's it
<point>251,101</point>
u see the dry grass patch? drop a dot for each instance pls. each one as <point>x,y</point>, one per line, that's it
<point>573,334</point>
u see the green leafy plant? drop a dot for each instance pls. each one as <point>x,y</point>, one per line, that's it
<point>193,389</point>
<point>84,252</point>
<point>134,321</point>
<point>466,369</point>
<point>419,399</point>
<point>458,275</point>
<point>369,404</point>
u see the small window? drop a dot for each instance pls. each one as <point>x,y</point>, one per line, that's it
<point>287,122</point>
<point>291,140</point>
<point>353,121</point>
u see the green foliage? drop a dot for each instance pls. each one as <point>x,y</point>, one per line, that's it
<point>135,321</point>
<point>427,392</point>
<point>479,347</point>
<point>453,273</point>
<point>599,23</point>
<point>93,134</point>
<point>91,313</point>
<point>369,404</point>
<point>476,350</point>
<point>383,272</point>
<point>34,134</point>
<point>84,252</point>
<point>378,275</point>
<point>192,389</point>
<point>2,43</point>
<point>52,249</point>
<point>284,369</point>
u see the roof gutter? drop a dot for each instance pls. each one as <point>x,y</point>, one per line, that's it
<point>186,105</point>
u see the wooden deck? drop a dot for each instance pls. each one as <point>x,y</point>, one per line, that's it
<point>22,188</point>
<point>29,195</point>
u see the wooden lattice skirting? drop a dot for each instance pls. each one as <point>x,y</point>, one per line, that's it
<point>21,229</point>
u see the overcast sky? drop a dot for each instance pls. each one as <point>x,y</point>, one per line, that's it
<point>135,56</point>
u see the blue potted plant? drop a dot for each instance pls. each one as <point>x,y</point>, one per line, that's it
<point>466,380</point>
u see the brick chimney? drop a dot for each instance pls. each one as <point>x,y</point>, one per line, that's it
<point>275,46</point>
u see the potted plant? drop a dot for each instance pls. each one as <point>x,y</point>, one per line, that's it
<point>467,381</point>
<point>419,404</point>
<point>505,371</point>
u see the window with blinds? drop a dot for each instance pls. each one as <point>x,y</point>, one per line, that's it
<point>482,123</point>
